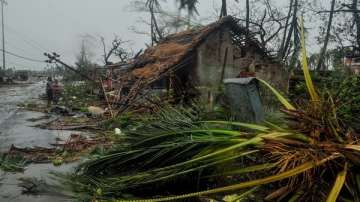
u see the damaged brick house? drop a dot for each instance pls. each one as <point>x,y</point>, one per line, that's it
<point>195,62</point>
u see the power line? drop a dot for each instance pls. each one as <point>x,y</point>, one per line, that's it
<point>17,65</point>
<point>27,39</point>
<point>17,48</point>
<point>23,66</point>
<point>23,57</point>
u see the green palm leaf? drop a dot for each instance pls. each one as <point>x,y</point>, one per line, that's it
<point>278,95</point>
<point>311,89</point>
<point>248,169</point>
<point>293,172</point>
<point>244,125</point>
<point>339,183</point>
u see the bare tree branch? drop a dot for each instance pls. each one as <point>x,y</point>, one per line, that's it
<point>115,49</point>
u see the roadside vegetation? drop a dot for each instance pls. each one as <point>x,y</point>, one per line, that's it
<point>78,96</point>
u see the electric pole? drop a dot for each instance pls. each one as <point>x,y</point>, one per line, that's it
<point>3,3</point>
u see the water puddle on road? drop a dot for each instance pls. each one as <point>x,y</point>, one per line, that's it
<point>10,190</point>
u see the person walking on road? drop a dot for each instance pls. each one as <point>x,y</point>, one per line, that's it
<point>56,90</point>
<point>49,91</point>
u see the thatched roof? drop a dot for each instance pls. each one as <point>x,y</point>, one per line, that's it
<point>176,48</point>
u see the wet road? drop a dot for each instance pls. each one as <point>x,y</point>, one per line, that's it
<point>15,129</point>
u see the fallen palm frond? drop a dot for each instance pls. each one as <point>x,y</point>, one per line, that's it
<point>278,95</point>
<point>284,175</point>
<point>179,154</point>
<point>164,153</point>
<point>339,183</point>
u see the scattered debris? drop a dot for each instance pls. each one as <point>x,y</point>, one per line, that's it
<point>96,111</point>
<point>61,110</point>
<point>76,122</point>
<point>34,106</point>
<point>118,131</point>
<point>62,151</point>
<point>41,118</point>
<point>33,155</point>
<point>34,186</point>
<point>77,143</point>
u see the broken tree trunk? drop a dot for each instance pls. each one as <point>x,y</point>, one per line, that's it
<point>247,15</point>
<point>106,99</point>
<point>357,21</point>
<point>282,51</point>
<point>291,32</point>
<point>223,11</point>
<point>320,65</point>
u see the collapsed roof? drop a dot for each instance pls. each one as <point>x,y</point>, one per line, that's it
<point>174,50</point>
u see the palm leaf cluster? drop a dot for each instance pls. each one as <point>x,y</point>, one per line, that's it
<point>176,155</point>
<point>186,155</point>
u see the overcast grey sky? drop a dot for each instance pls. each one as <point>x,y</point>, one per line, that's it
<point>35,26</point>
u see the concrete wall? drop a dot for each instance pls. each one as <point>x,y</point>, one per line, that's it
<point>211,56</point>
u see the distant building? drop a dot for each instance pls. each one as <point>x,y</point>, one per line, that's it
<point>352,61</point>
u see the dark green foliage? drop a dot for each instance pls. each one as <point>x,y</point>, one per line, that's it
<point>344,89</point>
<point>349,109</point>
<point>78,96</point>
<point>12,163</point>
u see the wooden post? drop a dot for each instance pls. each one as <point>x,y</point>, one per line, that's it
<point>106,98</point>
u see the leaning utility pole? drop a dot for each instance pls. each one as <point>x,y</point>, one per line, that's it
<point>54,58</point>
<point>3,2</point>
